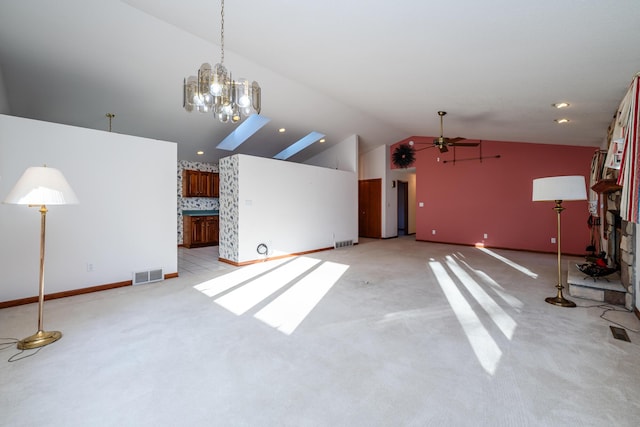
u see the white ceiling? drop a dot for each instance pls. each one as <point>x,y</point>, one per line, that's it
<point>380,70</point>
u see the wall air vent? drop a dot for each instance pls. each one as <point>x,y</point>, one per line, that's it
<point>148,276</point>
<point>343,244</point>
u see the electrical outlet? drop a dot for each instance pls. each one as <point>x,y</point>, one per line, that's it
<point>89,267</point>
<point>553,240</point>
<point>486,236</point>
<point>433,232</point>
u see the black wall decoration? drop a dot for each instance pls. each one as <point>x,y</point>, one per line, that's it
<point>403,156</point>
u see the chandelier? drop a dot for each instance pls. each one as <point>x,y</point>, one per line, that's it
<point>213,90</point>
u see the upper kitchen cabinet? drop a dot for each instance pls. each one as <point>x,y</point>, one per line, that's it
<point>200,184</point>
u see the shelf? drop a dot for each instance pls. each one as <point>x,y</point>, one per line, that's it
<point>606,186</point>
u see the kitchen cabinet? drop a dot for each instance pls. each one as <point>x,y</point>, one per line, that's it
<point>200,231</point>
<point>200,183</point>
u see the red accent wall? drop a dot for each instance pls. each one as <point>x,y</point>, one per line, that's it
<point>468,198</point>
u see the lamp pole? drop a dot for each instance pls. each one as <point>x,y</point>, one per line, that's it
<point>42,337</point>
<point>559,299</point>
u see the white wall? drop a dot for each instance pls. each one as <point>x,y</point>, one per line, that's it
<point>290,207</point>
<point>342,156</point>
<point>125,222</point>
<point>373,165</point>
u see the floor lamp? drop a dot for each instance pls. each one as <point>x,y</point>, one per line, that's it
<point>39,187</point>
<point>559,189</point>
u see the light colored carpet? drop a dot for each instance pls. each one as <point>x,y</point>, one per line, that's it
<point>411,334</point>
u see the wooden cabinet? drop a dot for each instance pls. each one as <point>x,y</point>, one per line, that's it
<point>216,184</point>
<point>200,184</point>
<point>200,231</point>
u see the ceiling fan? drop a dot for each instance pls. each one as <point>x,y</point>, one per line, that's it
<point>442,143</point>
<point>404,154</point>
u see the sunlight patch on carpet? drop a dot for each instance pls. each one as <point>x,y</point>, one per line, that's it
<point>287,311</point>
<point>223,283</point>
<point>505,323</point>
<point>295,286</point>
<point>484,346</point>
<point>510,263</point>
<point>242,299</point>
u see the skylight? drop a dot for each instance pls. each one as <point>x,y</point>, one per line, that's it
<point>243,132</point>
<point>299,145</point>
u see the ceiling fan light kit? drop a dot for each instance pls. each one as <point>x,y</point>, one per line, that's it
<point>213,90</point>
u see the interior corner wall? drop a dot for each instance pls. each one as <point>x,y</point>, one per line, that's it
<point>292,208</point>
<point>125,221</point>
<point>342,156</point>
<point>373,165</point>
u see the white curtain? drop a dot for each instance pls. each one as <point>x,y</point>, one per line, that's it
<point>626,128</point>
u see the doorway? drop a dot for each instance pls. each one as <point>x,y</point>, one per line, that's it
<point>403,208</point>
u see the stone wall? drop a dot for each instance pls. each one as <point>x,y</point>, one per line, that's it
<point>627,261</point>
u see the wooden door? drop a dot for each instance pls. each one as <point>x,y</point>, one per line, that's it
<point>370,208</point>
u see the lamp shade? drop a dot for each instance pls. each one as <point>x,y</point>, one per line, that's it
<point>41,185</point>
<point>559,188</point>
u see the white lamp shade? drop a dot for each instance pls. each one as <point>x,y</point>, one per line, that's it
<point>559,188</point>
<point>41,186</point>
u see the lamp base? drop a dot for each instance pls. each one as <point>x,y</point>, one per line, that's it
<point>39,339</point>
<point>560,301</point>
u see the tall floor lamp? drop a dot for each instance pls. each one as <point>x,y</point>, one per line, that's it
<point>39,187</point>
<point>559,189</point>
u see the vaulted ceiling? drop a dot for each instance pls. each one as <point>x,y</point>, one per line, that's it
<point>377,69</point>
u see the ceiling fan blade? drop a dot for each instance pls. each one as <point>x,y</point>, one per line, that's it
<point>456,139</point>
<point>465,144</point>
<point>424,148</point>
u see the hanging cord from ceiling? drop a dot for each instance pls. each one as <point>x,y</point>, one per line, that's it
<point>110,116</point>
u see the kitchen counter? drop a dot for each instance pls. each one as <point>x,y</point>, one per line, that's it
<point>200,213</point>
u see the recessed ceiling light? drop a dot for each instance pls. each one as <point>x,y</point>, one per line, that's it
<point>560,105</point>
<point>322,140</point>
<point>281,130</point>
<point>200,153</point>
<point>560,121</point>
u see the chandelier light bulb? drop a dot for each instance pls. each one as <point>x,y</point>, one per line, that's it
<point>216,89</point>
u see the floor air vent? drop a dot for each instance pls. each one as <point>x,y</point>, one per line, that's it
<point>619,333</point>
<point>148,276</point>
<point>343,244</point>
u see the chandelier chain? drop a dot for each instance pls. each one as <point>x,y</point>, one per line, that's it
<point>222,32</point>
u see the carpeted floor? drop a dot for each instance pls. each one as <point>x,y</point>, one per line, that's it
<point>385,333</point>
